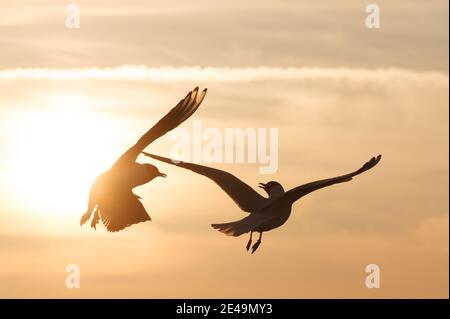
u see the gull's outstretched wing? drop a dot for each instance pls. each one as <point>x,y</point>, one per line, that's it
<point>294,194</point>
<point>181,112</point>
<point>243,195</point>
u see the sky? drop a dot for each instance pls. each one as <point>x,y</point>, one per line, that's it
<point>338,92</point>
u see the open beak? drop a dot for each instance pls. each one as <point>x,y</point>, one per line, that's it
<point>262,185</point>
<point>162,174</point>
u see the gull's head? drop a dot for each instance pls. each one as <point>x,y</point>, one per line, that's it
<point>153,171</point>
<point>272,188</point>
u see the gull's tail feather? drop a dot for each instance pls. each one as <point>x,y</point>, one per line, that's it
<point>236,228</point>
<point>122,210</point>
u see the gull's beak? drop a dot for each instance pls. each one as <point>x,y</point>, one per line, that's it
<point>262,185</point>
<point>162,174</point>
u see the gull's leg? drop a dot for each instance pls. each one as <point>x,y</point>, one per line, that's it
<point>96,218</point>
<point>89,210</point>
<point>249,241</point>
<point>87,215</point>
<point>256,245</point>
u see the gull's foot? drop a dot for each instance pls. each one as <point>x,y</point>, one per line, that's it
<point>85,218</point>
<point>255,246</point>
<point>95,219</point>
<point>249,244</point>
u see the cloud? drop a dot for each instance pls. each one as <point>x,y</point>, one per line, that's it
<point>225,74</point>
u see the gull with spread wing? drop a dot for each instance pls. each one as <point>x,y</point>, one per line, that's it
<point>111,198</point>
<point>264,213</point>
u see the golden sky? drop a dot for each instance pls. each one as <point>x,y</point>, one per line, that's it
<point>74,99</point>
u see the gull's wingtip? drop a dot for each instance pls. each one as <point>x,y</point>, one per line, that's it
<point>377,158</point>
<point>201,96</point>
<point>198,88</point>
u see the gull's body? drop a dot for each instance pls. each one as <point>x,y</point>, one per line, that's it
<point>265,213</point>
<point>111,198</point>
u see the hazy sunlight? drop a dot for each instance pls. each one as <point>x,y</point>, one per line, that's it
<point>57,153</point>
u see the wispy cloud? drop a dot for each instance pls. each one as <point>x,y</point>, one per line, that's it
<point>224,74</point>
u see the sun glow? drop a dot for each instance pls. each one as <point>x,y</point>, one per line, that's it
<point>55,154</point>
